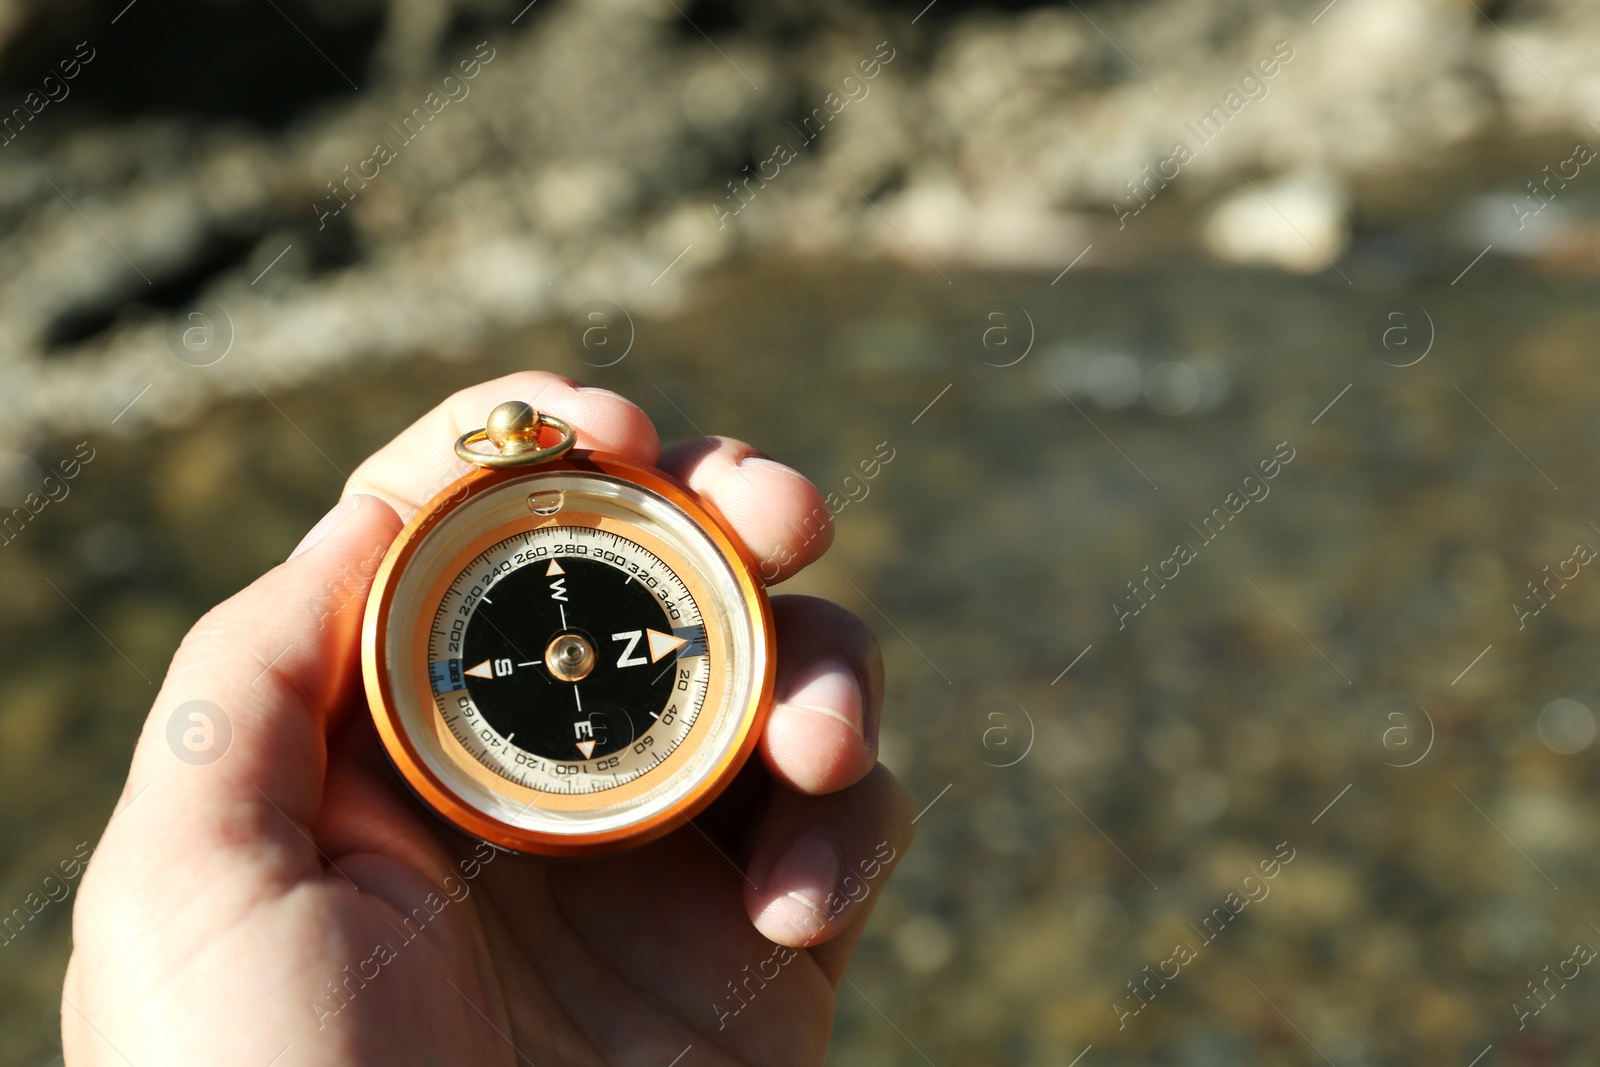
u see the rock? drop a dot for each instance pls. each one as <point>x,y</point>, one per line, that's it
<point>1299,223</point>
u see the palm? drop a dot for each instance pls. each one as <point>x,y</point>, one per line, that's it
<point>579,963</point>
<point>289,904</point>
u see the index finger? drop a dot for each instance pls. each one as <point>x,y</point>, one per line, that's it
<point>421,463</point>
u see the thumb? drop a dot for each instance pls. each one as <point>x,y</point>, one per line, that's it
<point>244,713</point>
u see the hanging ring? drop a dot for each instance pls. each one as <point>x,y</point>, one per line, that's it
<point>513,429</point>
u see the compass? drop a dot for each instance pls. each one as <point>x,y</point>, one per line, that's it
<point>565,653</point>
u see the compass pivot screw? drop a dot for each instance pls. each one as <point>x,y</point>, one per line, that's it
<point>569,658</point>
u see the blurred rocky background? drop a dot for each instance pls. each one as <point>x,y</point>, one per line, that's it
<point>213,282</point>
<point>193,158</point>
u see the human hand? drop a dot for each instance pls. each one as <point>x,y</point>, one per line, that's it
<point>264,908</point>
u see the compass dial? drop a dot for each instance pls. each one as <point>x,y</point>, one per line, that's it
<point>567,661</point>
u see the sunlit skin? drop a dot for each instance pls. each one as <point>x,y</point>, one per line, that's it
<point>225,901</point>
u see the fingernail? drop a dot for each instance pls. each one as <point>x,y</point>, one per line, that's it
<point>829,687</point>
<point>327,524</point>
<point>756,459</point>
<point>803,878</point>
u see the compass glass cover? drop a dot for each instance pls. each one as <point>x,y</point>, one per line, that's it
<point>571,654</point>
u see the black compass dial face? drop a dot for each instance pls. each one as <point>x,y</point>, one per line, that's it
<point>606,690</point>
<point>569,659</point>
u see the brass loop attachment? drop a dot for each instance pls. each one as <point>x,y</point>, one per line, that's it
<point>513,429</point>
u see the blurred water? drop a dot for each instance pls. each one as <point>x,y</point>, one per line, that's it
<point>1096,790</point>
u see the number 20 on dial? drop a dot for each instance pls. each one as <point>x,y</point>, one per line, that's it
<point>564,653</point>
